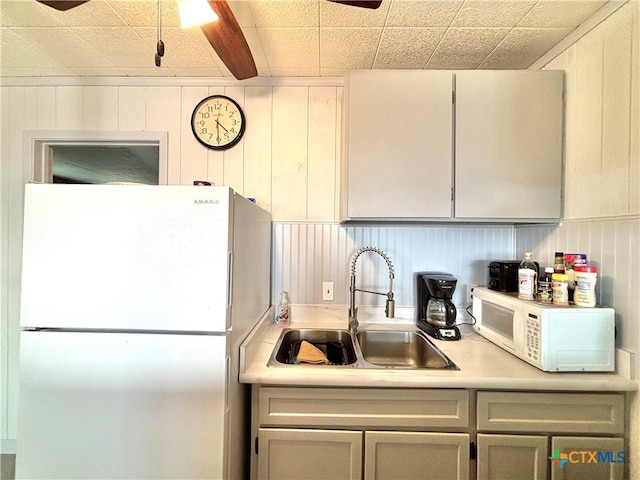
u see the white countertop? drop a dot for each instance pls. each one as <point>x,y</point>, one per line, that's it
<point>482,364</point>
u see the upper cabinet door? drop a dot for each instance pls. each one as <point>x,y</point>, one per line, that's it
<point>397,145</point>
<point>508,144</point>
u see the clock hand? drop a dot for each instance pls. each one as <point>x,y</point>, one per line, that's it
<point>220,125</point>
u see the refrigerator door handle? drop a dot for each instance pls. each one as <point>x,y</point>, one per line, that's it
<point>230,280</point>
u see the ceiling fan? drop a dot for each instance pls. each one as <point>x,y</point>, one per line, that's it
<point>225,35</point>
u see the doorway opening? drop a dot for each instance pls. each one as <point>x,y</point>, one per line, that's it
<point>98,157</point>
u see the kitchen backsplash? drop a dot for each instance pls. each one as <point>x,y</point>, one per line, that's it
<point>612,245</point>
<point>307,254</point>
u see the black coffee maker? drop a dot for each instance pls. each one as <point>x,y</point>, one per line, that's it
<point>436,312</point>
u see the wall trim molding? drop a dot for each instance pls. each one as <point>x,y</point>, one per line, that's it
<point>171,81</point>
<point>596,19</point>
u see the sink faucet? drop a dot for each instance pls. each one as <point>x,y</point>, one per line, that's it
<point>389,309</point>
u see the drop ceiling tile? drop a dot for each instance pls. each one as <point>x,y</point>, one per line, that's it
<point>152,71</point>
<point>19,53</point>
<point>242,11</point>
<point>183,47</point>
<point>348,47</point>
<point>27,13</point>
<point>96,13</point>
<point>407,47</point>
<point>255,45</point>
<point>65,46</point>
<point>492,13</point>
<point>560,14</point>
<point>466,48</point>
<point>120,45</point>
<point>197,72</point>
<point>338,15</point>
<point>38,72</point>
<point>522,47</point>
<point>285,13</point>
<point>295,72</point>
<point>333,72</point>
<point>99,72</point>
<point>144,13</point>
<point>418,13</point>
<point>290,47</point>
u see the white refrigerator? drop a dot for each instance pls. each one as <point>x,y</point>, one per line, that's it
<point>135,300</point>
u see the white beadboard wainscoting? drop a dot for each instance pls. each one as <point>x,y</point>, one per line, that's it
<point>611,244</point>
<point>307,254</point>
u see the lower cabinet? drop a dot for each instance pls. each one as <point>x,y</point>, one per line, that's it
<point>360,433</point>
<point>440,434</point>
<point>338,454</point>
<point>419,455</point>
<point>557,436</point>
<point>287,453</point>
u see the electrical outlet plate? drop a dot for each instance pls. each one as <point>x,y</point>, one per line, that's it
<point>327,291</point>
<point>470,292</point>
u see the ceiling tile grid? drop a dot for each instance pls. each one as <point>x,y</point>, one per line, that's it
<point>286,37</point>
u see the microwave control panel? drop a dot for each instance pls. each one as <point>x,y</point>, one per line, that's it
<point>532,338</point>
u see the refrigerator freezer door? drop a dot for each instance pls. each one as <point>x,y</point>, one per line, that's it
<point>127,257</point>
<point>110,405</point>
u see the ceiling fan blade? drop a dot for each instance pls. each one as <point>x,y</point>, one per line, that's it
<point>360,3</point>
<point>227,39</point>
<point>62,5</point>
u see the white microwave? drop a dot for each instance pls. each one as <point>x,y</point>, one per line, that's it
<point>550,337</point>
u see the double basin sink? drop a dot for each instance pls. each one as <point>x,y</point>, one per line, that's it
<point>393,349</point>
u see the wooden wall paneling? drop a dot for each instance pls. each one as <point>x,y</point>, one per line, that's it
<point>163,115</point>
<point>215,158</point>
<point>290,153</point>
<point>193,155</point>
<point>46,107</point>
<point>100,108</point>
<point>586,175</point>
<point>321,189</point>
<point>69,108</point>
<point>234,157</point>
<point>634,176</point>
<point>132,108</point>
<point>257,144</point>
<point>616,114</point>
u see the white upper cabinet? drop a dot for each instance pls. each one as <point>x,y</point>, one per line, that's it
<point>397,158</point>
<point>411,153</point>
<point>508,144</point>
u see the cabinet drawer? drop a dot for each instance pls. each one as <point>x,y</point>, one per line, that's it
<point>550,412</point>
<point>281,406</point>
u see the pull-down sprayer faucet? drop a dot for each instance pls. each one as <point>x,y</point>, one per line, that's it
<point>389,309</point>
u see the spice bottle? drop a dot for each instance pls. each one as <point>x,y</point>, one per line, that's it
<point>584,294</point>
<point>283,317</point>
<point>558,263</point>
<point>560,286</point>
<point>545,290</point>
<point>527,278</point>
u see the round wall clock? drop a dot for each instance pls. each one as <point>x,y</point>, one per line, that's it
<point>218,122</point>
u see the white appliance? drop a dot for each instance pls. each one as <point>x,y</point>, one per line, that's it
<point>550,337</point>
<point>134,302</point>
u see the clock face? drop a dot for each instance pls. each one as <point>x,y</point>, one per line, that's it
<point>218,122</point>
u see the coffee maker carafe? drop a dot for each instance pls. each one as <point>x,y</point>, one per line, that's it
<point>436,312</point>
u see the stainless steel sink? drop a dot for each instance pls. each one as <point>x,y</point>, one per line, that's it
<point>337,345</point>
<point>393,349</point>
<point>401,349</point>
